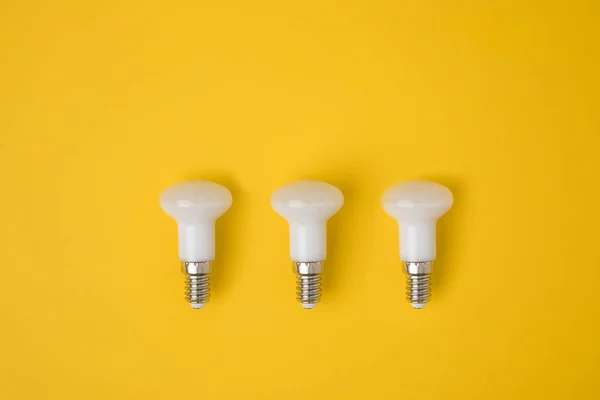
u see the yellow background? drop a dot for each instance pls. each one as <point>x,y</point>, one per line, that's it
<point>104,104</point>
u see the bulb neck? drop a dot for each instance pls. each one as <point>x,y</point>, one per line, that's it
<point>417,240</point>
<point>417,268</point>
<point>308,241</point>
<point>196,241</point>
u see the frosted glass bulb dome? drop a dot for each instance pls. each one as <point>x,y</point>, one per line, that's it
<point>307,205</point>
<point>417,205</point>
<point>196,205</point>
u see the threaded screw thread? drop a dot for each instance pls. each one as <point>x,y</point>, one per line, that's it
<point>308,289</point>
<point>418,289</point>
<point>197,289</point>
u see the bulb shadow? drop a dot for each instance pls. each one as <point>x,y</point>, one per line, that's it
<point>226,234</point>
<point>448,231</point>
<point>337,234</point>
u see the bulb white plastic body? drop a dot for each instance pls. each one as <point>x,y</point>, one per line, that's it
<point>417,205</point>
<point>196,205</point>
<point>307,205</point>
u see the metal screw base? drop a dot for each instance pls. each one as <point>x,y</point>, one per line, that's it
<point>197,282</point>
<point>308,283</point>
<point>418,282</point>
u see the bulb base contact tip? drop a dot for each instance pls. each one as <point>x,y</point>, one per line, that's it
<point>197,282</point>
<point>308,283</point>
<point>418,282</point>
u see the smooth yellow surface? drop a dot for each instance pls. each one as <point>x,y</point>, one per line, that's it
<point>104,104</point>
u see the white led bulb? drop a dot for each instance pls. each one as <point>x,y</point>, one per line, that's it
<point>196,205</point>
<point>307,205</point>
<point>417,205</point>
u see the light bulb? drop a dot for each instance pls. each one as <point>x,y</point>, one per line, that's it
<point>417,205</point>
<point>307,205</point>
<point>196,205</point>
